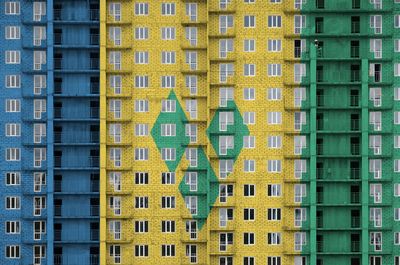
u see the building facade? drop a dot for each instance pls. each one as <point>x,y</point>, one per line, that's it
<point>218,132</point>
<point>50,132</point>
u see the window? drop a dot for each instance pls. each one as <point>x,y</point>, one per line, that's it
<point>249,141</point>
<point>13,154</point>
<point>168,154</point>
<point>168,129</point>
<point>39,34</point>
<point>299,72</point>
<point>276,260</point>
<point>141,105</point>
<point>225,239</point>
<point>168,105</point>
<point>249,45</point>
<point>300,215</point>
<point>248,260</point>
<point>168,33</point>
<point>13,178</point>
<point>376,240</point>
<point>299,23</point>
<point>299,96</point>
<point>115,60</point>
<point>39,132</point>
<point>225,70</point>
<point>167,202</point>
<point>13,203</point>
<point>191,204</point>
<point>225,23</point>
<point>168,9</point>
<point>274,45</point>
<point>248,238</point>
<point>116,83</point>
<point>396,214</point>
<point>168,81</point>
<point>274,190</point>
<point>191,35</point>
<point>141,154</point>
<point>397,238</point>
<point>249,118</point>
<point>115,11</point>
<point>274,94</point>
<point>397,69</point>
<point>375,46</point>
<point>375,167</point>
<point>13,227</point>
<point>249,69</point>
<point>300,167</point>
<point>13,57</point>
<point>397,190</point>
<point>141,9</point>
<point>12,32</point>
<point>191,108</point>
<point>397,45</point>
<point>225,167</point>
<point>274,118</point>
<point>168,250</point>
<point>39,203</point>
<point>115,253</point>
<point>274,238</point>
<point>191,84</point>
<point>225,215</point>
<point>141,57</point>
<point>39,83</point>
<point>141,33</point>
<point>396,165</point>
<point>12,252</point>
<point>39,155</point>
<point>273,214</point>
<point>300,192</point>
<point>376,23</point>
<point>300,119</point>
<point>168,226</point>
<point>39,181</point>
<point>115,35</point>
<point>300,142</point>
<point>249,165</point>
<point>13,129</point>
<point>191,11</point>
<point>191,132</point>
<point>13,81</point>
<point>274,21</point>
<point>192,156</point>
<point>168,57</point>
<point>141,250</point>
<point>249,190</point>
<point>225,46</point>
<point>249,21</point>
<point>274,166</point>
<point>249,214</point>
<point>299,240</point>
<point>397,21</point>
<point>141,226</point>
<point>249,93</point>
<point>12,8</point>
<point>274,141</point>
<point>141,129</point>
<point>141,178</point>
<point>142,202</point>
<point>168,178</point>
<point>225,96</point>
<point>396,141</point>
<point>274,70</point>
<point>191,180</point>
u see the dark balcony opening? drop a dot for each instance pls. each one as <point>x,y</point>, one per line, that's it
<point>320,170</point>
<point>320,243</point>
<point>320,194</point>
<point>57,158</point>
<point>57,110</point>
<point>94,256</point>
<point>320,121</point>
<point>355,145</point>
<point>320,146</point>
<point>94,134</point>
<point>94,158</point>
<point>57,12</point>
<point>94,182</point>
<point>297,48</point>
<point>58,59</point>
<point>355,261</point>
<point>94,85</point>
<point>354,122</point>
<point>319,25</point>
<point>57,134</point>
<point>57,232</point>
<point>354,170</point>
<point>320,73</point>
<point>355,242</point>
<point>355,4</point>
<point>94,12</point>
<point>355,73</point>
<point>58,256</point>
<point>58,85</point>
<point>57,207</point>
<point>377,68</point>
<point>57,183</point>
<point>320,98</point>
<point>94,110</point>
<point>94,207</point>
<point>354,194</point>
<point>94,231</point>
<point>354,98</point>
<point>320,49</point>
<point>94,36</point>
<point>57,36</point>
<point>320,4</point>
<point>355,49</point>
<point>320,262</point>
<point>355,24</point>
<point>320,220</point>
<point>355,218</point>
<point>94,61</point>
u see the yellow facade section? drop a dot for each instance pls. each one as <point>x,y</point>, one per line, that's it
<point>139,86</point>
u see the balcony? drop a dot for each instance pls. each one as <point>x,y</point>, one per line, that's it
<point>355,149</point>
<point>355,222</point>
<point>320,149</point>
<point>354,173</point>
<point>354,125</point>
<point>94,64</point>
<point>354,197</point>
<point>60,259</point>
<point>320,222</point>
<point>93,113</point>
<point>91,162</point>
<point>355,76</point>
<point>320,197</point>
<point>69,138</point>
<point>355,246</point>
<point>355,52</point>
<point>94,234</point>
<point>62,211</point>
<point>320,100</point>
<point>354,101</point>
<point>94,39</point>
<point>94,15</point>
<point>57,38</point>
<point>355,27</point>
<point>94,88</point>
<point>320,246</point>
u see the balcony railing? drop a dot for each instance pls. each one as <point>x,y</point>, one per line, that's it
<point>94,39</point>
<point>320,173</point>
<point>320,124</point>
<point>94,112</point>
<point>354,173</point>
<point>354,197</point>
<point>320,100</point>
<point>94,186</point>
<point>320,222</point>
<point>58,211</point>
<point>57,235</point>
<point>94,64</point>
<point>355,76</point>
<point>320,197</point>
<point>354,101</point>
<point>355,246</point>
<point>320,246</point>
<point>94,88</point>
<point>94,234</point>
<point>57,186</point>
<point>355,52</point>
<point>354,124</point>
<point>355,149</point>
<point>94,14</point>
<point>355,222</point>
<point>94,210</point>
<point>355,4</point>
<point>57,38</point>
<point>355,27</point>
<point>57,14</point>
<point>320,149</point>
<point>93,161</point>
<point>59,259</point>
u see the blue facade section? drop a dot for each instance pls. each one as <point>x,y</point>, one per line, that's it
<point>54,184</point>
